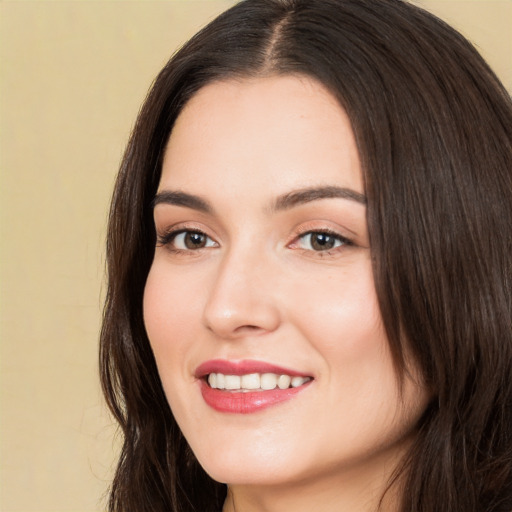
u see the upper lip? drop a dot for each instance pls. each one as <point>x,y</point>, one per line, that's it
<point>243,367</point>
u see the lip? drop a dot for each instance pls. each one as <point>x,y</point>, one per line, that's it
<point>250,401</point>
<point>243,367</point>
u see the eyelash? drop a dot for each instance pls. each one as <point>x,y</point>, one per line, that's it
<point>166,240</point>
<point>344,242</point>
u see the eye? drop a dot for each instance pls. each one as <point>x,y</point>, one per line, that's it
<point>186,240</point>
<point>321,241</point>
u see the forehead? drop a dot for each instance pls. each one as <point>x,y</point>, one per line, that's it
<point>289,129</point>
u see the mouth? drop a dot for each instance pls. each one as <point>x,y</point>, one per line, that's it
<point>254,382</point>
<point>248,386</point>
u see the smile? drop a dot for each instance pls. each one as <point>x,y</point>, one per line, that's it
<point>255,381</point>
<point>244,387</point>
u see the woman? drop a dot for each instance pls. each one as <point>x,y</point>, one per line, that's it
<point>309,302</point>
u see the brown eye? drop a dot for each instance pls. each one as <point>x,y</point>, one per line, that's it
<point>194,240</point>
<point>321,241</point>
<point>187,241</point>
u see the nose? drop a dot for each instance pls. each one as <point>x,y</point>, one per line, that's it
<point>242,297</point>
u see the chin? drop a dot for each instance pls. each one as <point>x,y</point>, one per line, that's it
<point>258,465</point>
<point>244,474</point>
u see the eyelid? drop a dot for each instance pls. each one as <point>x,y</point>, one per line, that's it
<point>328,232</point>
<point>165,236</point>
<point>331,234</point>
<point>170,236</point>
<point>317,228</point>
<point>325,227</point>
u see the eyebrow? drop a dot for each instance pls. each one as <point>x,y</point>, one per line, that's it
<point>283,202</point>
<point>182,199</point>
<point>306,195</point>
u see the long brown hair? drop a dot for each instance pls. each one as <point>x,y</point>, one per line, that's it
<point>433,126</point>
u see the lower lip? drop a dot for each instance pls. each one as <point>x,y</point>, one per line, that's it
<point>246,402</point>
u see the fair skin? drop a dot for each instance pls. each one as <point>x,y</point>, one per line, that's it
<point>264,258</point>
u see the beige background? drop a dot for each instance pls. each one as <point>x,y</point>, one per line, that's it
<point>73,75</point>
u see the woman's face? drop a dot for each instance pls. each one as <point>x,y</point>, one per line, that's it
<point>262,283</point>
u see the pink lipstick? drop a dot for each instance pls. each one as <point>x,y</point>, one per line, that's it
<point>247,386</point>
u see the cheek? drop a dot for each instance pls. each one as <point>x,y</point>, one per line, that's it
<point>167,318</point>
<point>341,320</point>
<point>341,314</point>
<point>171,299</point>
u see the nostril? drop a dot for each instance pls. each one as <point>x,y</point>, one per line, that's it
<point>248,328</point>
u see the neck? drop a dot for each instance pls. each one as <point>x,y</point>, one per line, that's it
<point>354,490</point>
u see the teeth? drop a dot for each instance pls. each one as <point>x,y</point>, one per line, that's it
<point>298,381</point>
<point>254,381</point>
<point>284,381</point>
<point>251,381</point>
<point>233,382</point>
<point>268,381</point>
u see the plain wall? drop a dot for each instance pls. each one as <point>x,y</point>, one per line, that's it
<point>72,77</point>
